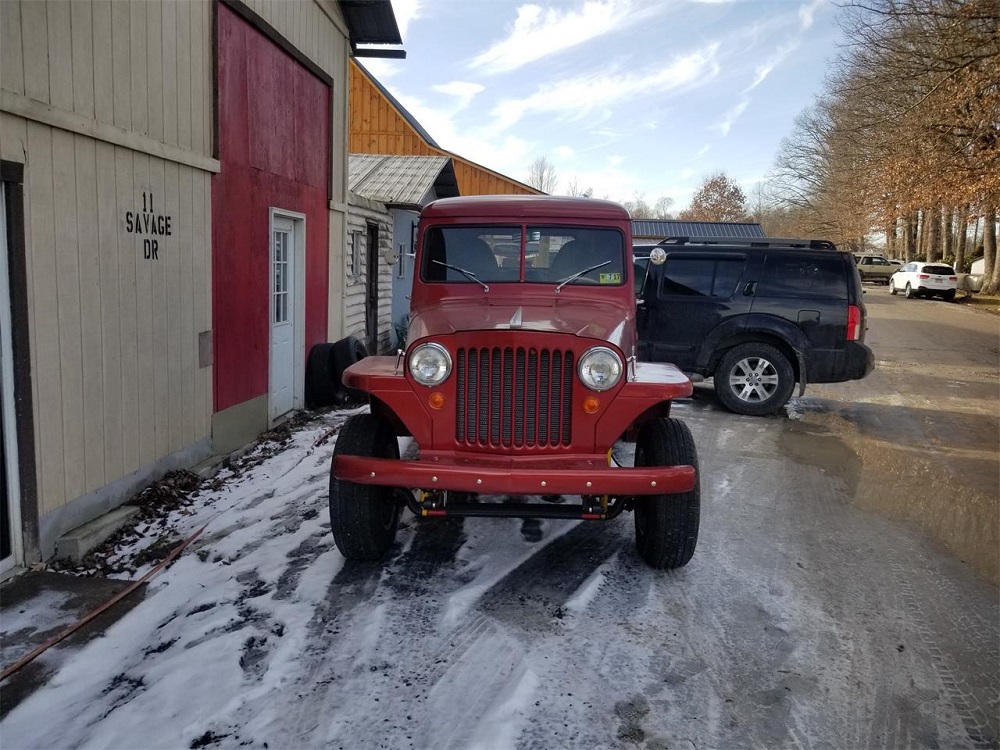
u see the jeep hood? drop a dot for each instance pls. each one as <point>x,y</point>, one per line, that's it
<point>607,320</point>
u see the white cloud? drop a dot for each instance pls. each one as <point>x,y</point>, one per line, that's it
<point>730,117</point>
<point>702,151</point>
<point>584,96</point>
<point>614,160</point>
<point>381,68</point>
<point>763,70</point>
<point>463,91</point>
<point>539,32</point>
<point>406,11</point>
<point>507,154</point>
<point>807,13</point>
<point>564,152</point>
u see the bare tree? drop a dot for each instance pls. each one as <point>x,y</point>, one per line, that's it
<point>991,272</point>
<point>573,188</point>
<point>639,208</point>
<point>907,126</point>
<point>661,209</point>
<point>542,175</point>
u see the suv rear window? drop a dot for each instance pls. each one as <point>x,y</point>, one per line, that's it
<point>940,270</point>
<point>803,276</point>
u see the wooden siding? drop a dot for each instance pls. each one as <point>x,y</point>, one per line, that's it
<point>143,66</point>
<point>265,97</point>
<point>362,212</point>
<point>114,336</point>
<point>376,127</point>
<point>318,30</point>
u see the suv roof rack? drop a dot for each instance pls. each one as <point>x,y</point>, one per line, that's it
<point>762,242</point>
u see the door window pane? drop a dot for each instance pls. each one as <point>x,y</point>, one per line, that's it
<point>701,277</point>
<point>280,276</point>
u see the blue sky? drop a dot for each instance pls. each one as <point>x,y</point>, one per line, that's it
<point>628,97</point>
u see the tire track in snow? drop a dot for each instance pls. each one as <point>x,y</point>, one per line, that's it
<point>975,718</point>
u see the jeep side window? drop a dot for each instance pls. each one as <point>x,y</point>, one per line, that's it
<point>701,277</point>
<point>807,276</point>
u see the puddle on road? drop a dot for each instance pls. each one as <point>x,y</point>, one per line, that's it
<point>816,447</point>
<point>951,491</point>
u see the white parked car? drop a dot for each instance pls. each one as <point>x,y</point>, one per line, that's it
<point>925,279</point>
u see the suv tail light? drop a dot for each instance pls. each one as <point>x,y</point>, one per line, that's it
<point>854,323</point>
<point>953,278</point>
<point>923,276</point>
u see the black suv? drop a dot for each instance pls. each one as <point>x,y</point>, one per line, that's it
<point>756,315</point>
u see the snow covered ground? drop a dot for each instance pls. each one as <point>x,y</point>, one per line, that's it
<point>800,622</point>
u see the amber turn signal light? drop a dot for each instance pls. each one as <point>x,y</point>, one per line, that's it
<point>591,405</point>
<point>436,400</point>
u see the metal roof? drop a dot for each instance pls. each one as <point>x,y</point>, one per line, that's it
<point>400,180</point>
<point>371,21</point>
<point>665,228</point>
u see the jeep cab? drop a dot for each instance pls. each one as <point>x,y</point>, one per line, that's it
<point>519,377</point>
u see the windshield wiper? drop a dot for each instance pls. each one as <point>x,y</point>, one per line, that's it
<point>467,274</point>
<point>578,274</point>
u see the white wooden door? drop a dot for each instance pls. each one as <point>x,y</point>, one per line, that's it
<point>283,317</point>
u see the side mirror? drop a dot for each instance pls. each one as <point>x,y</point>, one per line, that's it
<point>657,256</point>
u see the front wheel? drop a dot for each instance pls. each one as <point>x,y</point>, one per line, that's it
<point>754,379</point>
<point>364,517</point>
<point>892,287</point>
<point>666,526</point>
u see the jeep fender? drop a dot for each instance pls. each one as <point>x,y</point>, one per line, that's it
<point>767,329</point>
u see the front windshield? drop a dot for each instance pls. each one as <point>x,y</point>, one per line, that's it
<point>552,255</point>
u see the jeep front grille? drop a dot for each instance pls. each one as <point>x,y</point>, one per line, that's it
<point>513,397</point>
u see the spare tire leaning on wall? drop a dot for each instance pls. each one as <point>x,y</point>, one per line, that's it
<point>325,369</point>
<point>322,387</point>
<point>346,352</point>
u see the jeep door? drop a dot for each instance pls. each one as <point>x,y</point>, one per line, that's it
<point>688,301</point>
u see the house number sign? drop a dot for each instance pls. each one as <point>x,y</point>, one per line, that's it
<point>149,225</point>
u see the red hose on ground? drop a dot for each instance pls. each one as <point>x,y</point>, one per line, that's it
<point>30,657</point>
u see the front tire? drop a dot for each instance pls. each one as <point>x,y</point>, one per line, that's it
<point>666,526</point>
<point>364,517</point>
<point>754,379</point>
<point>892,287</point>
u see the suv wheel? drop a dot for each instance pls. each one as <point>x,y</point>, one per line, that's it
<point>364,517</point>
<point>666,526</point>
<point>910,294</point>
<point>754,379</point>
<point>892,288</point>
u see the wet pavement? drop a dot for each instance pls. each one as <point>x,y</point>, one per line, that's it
<point>843,595</point>
<point>37,606</point>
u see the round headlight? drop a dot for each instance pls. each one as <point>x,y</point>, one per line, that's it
<point>430,364</point>
<point>600,368</point>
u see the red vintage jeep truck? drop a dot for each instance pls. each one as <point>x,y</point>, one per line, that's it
<point>518,378</point>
